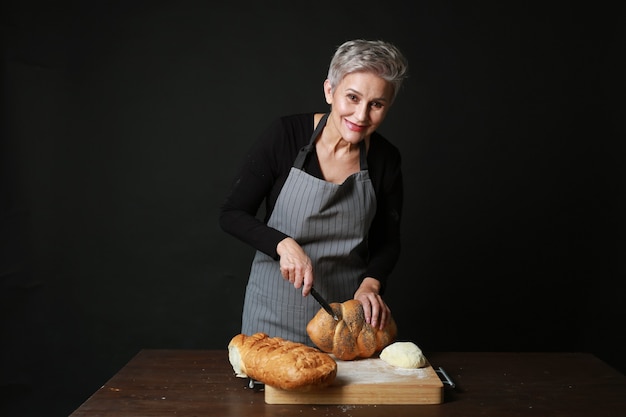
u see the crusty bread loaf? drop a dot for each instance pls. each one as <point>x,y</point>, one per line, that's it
<point>350,337</point>
<point>280,363</point>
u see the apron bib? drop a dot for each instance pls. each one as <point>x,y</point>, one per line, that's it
<point>330,222</point>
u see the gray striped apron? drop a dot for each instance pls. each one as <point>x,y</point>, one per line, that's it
<point>330,221</point>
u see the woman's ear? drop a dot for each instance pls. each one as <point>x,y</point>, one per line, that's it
<point>328,93</point>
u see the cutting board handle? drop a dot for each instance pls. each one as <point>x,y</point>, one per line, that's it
<point>445,378</point>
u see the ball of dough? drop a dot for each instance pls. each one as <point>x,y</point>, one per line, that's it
<point>403,355</point>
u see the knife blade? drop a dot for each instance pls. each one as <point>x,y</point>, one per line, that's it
<point>324,303</point>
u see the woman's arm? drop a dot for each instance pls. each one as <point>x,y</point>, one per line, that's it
<point>260,178</point>
<point>259,174</point>
<point>384,234</point>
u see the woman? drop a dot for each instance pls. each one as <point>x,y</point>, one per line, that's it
<point>332,188</point>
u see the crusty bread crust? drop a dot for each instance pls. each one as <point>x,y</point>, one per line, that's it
<point>281,363</point>
<point>350,337</point>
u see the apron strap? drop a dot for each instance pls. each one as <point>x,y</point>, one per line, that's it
<point>306,150</point>
<point>363,155</point>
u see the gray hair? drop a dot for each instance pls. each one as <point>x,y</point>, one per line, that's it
<point>378,57</point>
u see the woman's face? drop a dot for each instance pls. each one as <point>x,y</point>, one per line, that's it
<point>359,104</point>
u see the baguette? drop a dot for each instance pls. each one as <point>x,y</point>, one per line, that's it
<point>280,363</point>
<point>350,337</point>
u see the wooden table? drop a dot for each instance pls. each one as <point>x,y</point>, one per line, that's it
<point>201,383</point>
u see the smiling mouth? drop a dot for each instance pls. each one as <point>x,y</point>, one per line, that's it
<point>354,127</point>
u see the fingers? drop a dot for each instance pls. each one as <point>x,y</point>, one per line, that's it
<point>295,265</point>
<point>300,275</point>
<point>375,310</point>
<point>307,283</point>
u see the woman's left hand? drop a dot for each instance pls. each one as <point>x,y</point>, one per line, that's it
<point>376,311</point>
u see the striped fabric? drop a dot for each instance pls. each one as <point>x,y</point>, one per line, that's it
<point>330,221</point>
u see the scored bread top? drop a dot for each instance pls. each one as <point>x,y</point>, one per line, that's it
<point>281,363</point>
<point>350,337</point>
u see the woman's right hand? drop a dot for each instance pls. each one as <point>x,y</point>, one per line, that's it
<point>295,265</point>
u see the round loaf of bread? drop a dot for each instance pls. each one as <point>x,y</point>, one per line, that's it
<point>350,337</point>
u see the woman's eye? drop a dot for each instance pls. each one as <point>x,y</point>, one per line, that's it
<point>377,105</point>
<point>352,97</point>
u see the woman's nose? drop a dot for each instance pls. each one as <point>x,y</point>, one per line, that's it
<point>362,112</point>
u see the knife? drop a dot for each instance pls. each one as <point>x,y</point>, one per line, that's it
<point>324,303</point>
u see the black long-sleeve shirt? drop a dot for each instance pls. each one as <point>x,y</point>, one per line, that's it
<point>265,169</point>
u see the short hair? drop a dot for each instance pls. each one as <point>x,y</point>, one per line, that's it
<point>375,56</point>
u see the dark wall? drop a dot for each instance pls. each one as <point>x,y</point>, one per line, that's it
<point>123,122</point>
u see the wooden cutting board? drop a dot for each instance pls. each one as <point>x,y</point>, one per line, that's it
<point>368,381</point>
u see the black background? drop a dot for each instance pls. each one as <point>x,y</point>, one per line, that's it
<point>123,122</point>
